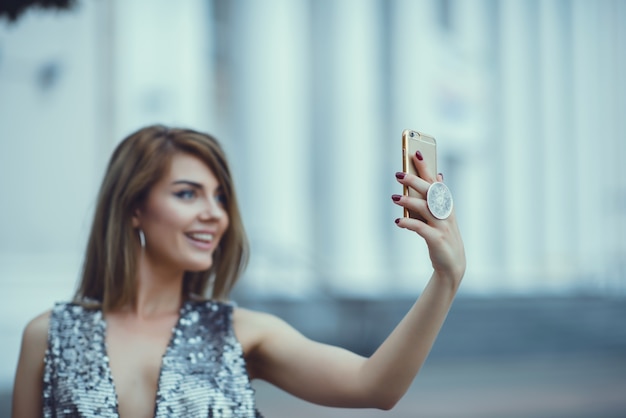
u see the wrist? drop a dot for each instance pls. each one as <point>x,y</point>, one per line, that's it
<point>451,278</point>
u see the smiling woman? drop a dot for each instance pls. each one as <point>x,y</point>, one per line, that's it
<point>155,175</point>
<point>182,220</point>
<point>166,231</point>
<point>151,333</point>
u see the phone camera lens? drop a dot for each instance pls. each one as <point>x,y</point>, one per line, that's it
<point>412,134</point>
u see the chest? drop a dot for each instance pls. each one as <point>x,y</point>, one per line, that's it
<point>135,352</point>
<point>195,368</point>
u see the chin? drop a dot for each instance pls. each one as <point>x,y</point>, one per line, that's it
<point>197,266</point>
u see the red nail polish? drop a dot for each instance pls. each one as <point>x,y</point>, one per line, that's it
<point>419,155</point>
<point>397,220</point>
<point>395,197</point>
<point>400,175</point>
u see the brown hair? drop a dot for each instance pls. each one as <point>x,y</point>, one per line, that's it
<point>138,162</point>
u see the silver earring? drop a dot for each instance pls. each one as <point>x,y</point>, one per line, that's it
<point>142,239</point>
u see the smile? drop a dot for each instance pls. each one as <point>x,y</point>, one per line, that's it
<point>201,239</point>
<point>201,236</point>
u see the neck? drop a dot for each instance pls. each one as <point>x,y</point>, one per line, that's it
<point>159,289</point>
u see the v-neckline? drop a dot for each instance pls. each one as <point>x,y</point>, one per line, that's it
<point>107,361</point>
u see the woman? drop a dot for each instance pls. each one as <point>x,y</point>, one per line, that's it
<point>140,340</point>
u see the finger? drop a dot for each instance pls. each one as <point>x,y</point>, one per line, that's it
<point>434,233</point>
<point>420,227</point>
<point>415,205</point>
<point>413,181</point>
<point>423,170</point>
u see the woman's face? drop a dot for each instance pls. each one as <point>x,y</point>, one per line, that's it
<point>183,217</point>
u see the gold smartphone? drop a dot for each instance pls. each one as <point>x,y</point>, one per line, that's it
<point>413,141</point>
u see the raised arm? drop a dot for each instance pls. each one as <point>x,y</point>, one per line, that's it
<point>27,389</point>
<point>333,376</point>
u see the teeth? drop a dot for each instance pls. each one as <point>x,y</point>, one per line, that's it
<point>201,236</point>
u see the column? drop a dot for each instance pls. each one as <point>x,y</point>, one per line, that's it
<point>349,148</point>
<point>162,65</point>
<point>558,149</point>
<point>270,142</point>
<point>522,141</point>
<point>471,137</point>
<point>589,133</point>
<point>414,48</point>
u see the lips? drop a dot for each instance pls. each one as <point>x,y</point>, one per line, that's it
<point>203,237</point>
<point>203,241</point>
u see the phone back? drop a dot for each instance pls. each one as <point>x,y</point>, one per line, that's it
<point>413,141</point>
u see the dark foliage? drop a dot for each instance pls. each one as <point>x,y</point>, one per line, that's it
<point>13,9</point>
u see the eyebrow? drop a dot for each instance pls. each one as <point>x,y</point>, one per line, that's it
<point>190,183</point>
<point>196,185</point>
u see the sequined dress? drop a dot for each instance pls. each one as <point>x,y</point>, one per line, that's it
<point>202,374</point>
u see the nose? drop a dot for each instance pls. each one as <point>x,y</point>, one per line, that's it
<point>212,210</point>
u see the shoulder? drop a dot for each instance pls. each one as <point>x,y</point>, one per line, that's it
<point>28,377</point>
<point>260,321</point>
<point>253,327</point>
<point>36,330</point>
<point>35,339</point>
<point>241,317</point>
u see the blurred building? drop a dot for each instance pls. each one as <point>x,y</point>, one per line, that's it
<point>526,100</point>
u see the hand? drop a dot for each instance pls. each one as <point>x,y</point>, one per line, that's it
<point>442,236</point>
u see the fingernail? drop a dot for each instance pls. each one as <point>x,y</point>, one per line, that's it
<point>400,175</point>
<point>441,174</point>
<point>419,155</point>
<point>397,220</point>
<point>395,197</point>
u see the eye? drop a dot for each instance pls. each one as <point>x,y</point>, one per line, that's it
<point>186,194</point>
<point>221,199</point>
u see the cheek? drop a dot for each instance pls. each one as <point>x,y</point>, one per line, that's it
<point>168,218</point>
<point>224,224</point>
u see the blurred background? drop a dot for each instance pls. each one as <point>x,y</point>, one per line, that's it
<point>526,98</point>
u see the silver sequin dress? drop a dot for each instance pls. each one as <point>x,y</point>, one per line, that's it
<point>202,374</point>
